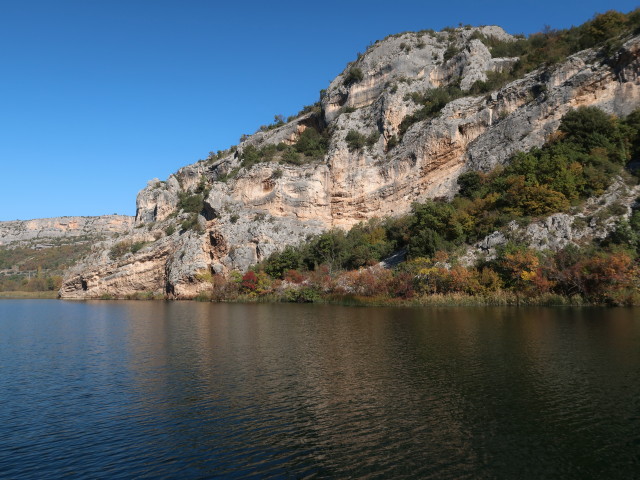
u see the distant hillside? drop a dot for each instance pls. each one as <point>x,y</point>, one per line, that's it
<point>35,253</point>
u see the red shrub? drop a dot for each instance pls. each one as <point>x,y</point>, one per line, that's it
<point>250,281</point>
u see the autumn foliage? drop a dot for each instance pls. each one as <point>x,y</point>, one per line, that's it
<point>579,162</point>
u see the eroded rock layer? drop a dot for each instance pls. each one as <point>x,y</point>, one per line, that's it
<point>46,230</point>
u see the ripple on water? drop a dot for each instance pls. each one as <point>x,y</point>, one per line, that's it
<point>186,390</point>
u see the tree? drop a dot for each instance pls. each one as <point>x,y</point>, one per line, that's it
<point>606,25</point>
<point>329,249</point>
<point>280,262</point>
<point>591,128</point>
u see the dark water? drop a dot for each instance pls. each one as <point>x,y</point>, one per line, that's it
<point>192,390</point>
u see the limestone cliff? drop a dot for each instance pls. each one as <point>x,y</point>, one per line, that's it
<point>46,246</point>
<point>250,211</point>
<point>43,232</point>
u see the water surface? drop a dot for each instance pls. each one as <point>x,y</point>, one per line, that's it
<point>196,390</point>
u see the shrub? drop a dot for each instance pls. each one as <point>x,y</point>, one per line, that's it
<point>494,81</point>
<point>292,157</point>
<point>249,281</point>
<point>543,181</point>
<point>190,203</point>
<point>372,138</point>
<point>119,249</point>
<point>250,156</point>
<point>191,223</point>
<point>293,276</point>
<point>355,140</point>
<point>312,144</point>
<point>290,259</point>
<point>392,142</point>
<point>450,52</point>
<point>137,246</point>
<point>230,174</point>
<point>470,183</point>
<point>170,230</point>
<point>354,75</point>
<point>590,128</point>
<point>432,101</point>
<point>314,108</point>
<point>551,46</point>
<point>302,295</point>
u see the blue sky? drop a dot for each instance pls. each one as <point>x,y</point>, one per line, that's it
<point>97,97</point>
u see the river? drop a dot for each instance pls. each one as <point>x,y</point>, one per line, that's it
<point>125,389</point>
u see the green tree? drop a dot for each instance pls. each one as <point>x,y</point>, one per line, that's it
<point>280,262</point>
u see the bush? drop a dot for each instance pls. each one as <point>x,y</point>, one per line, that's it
<point>190,203</point>
<point>137,246</point>
<point>292,157</point>
<point>552,46</point>
<point>249,281</point>
<point>494,81</point>
<point>302,295</point>
<point>373,138</point>
<point>312,144</point>
<point>432,101</point>
<point>119,249</point>
<point>589,128</point>
<point>392,142</point>
<point>354,75</point>
<point>450,52</point>
<point>191,223</point>
<point>355,140</point>
<point>470,183</point>
<point>230,174</point>
<point>280,262</point>
<point>250,156</point>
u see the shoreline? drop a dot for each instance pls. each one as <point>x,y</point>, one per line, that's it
<point>434,300</point>
<point>48,295</point>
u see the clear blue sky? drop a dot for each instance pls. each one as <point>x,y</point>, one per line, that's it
<point>97,97</point>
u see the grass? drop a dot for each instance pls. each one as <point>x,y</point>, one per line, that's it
<point>47,294</point>
<point>437,300</point>
<point>453,300</point>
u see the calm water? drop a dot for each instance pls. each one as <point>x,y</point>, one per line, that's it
<point>194,390</point>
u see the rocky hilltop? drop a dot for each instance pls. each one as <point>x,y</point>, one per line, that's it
<point>365,150</point>
<point>42,232</point>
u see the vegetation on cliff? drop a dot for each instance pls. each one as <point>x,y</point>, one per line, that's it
<point>310,146</point>
<point>27,268</point>
<point>580,161</point>
<point>535,51</point>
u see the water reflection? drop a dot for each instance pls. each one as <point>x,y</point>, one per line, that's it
<point>199,390</point>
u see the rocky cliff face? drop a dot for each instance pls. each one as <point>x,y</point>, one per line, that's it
<point>42,232</point>
<point>249,212</point>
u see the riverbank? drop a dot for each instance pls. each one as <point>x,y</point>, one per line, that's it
<point>46,294</point>
<point>501,298</point>
<point>433,300</point>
